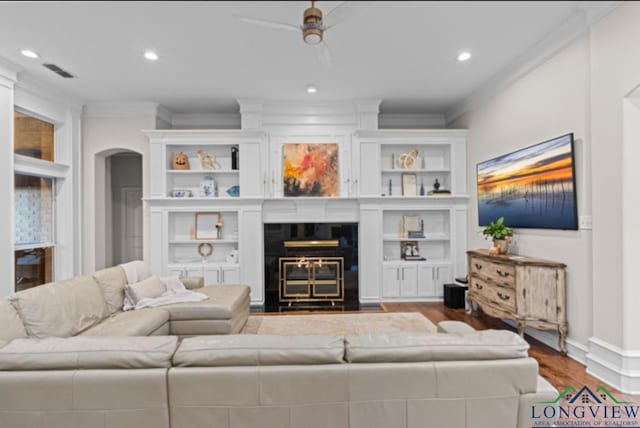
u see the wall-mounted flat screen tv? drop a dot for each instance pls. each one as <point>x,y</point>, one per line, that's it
<point>534,187</point>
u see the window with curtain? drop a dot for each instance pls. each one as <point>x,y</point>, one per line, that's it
<point>34,205</point>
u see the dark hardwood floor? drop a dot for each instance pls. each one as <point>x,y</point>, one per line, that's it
<point>560,370</point>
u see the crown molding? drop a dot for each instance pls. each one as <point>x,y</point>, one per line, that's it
<point>122,109</point>
<point>8,73</point>
<point>216,121</point>
<point>586,14</point>
<point>411,120</point>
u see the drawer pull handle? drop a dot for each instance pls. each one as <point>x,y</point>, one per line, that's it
<point>478,286</point>
<point>478,266</point>
<point>503,297</point>
<point>502,274</point>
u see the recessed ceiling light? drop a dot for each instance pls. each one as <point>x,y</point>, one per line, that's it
<point>151,56</point>
<point>29,53</point>
<point>464,56</point>
<point>312,89</point>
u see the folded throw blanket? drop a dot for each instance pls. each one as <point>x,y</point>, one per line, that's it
<point>137,271</point>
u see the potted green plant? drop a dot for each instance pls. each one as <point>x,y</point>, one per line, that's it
<point>499,233</point>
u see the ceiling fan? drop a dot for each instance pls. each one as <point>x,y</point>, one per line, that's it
<point>314,25</point>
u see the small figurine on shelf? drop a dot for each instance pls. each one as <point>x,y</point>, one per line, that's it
<point>207,161</point>
<point>390,187</point>
<point>436,185</point>
<point>219,228</point>
<point>180,161</point>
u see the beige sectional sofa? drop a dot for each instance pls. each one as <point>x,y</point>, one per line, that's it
<point>69,357</point>
<point>92,306</point>
<point>458,380</point>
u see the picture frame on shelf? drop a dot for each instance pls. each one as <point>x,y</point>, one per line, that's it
<point>409,184</point>
<point>207,225</point>
<point>410,250</point>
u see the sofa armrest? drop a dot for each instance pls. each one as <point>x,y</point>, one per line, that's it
<point>192,282</point>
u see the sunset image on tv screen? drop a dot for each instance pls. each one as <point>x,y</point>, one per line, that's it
<point>532,187</point>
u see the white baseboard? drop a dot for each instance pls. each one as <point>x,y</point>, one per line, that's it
<point>617,367</point>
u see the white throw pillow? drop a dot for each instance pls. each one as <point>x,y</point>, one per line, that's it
<point>148,288</point>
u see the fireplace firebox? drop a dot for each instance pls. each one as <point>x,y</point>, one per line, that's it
<point>311,266</point>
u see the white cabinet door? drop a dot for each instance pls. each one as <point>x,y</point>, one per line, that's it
<point>409,284</point>
<point>212,276</point>
<point>427,281</point>
<point>391,281</point>
<point>230,275</point>
<point>443,276</point>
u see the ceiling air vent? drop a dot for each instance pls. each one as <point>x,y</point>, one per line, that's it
<point>59,71</point>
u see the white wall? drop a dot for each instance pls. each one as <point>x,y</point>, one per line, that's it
<point>615,72</point>
<point>550,101</point>
<point>104,136</point>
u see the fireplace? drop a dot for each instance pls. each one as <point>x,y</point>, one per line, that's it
<point>311,266</point>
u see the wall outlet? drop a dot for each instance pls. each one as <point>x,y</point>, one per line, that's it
<point>585,222</point>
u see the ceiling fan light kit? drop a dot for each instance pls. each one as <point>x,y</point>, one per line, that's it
<point>312,25</point>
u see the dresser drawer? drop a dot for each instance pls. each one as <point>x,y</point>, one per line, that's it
<point>503,297</point>
<point>498,272</point>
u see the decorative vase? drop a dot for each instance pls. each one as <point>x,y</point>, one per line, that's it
<point>208,187</point>
<point>436,185</point>
<point>502,245</point>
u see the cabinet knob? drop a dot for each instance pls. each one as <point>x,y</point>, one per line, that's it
<point>503,296</point>
<point>478,266</point>
<point>478,286</point>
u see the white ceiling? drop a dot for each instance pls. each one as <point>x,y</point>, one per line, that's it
<point>401,52</point>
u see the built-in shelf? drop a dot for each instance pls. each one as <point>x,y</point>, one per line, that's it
<point>428,262</point>
<point>202,171</point>
<point>203,241</point>
<point>425,239</point>
<point>419,170</point>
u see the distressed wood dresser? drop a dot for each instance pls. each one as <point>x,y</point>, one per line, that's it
<point>527,290</point>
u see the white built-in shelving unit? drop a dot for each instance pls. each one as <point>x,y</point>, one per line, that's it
<point>365,170</point>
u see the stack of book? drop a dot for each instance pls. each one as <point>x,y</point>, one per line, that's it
<point>415,234</point>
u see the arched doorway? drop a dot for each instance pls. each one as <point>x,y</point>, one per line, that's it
<point>118,207</point>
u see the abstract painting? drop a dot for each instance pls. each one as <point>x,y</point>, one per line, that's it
<point>310,169</point>
<point>533,187</point>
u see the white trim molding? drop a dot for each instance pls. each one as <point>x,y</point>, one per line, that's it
<point>124,109</point>
<point>38,167</point>
<point>618,367</point>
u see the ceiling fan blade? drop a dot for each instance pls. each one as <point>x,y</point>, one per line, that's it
<point>342,12</point>
<point>265,23</point>
<point>322,53</point>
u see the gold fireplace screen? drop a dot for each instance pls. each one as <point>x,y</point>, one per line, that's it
<point>311,279</point>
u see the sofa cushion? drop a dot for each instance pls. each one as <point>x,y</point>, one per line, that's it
<point>253,350</point>
<point>112,282</point>
<point>413,347</point>
<point>223,302</point>
<point>55,353</point>
<point>141,322</point>
<point>147,288</point>
<point>11,326</point>
<point>454,327</point>
<point>61,309</point>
